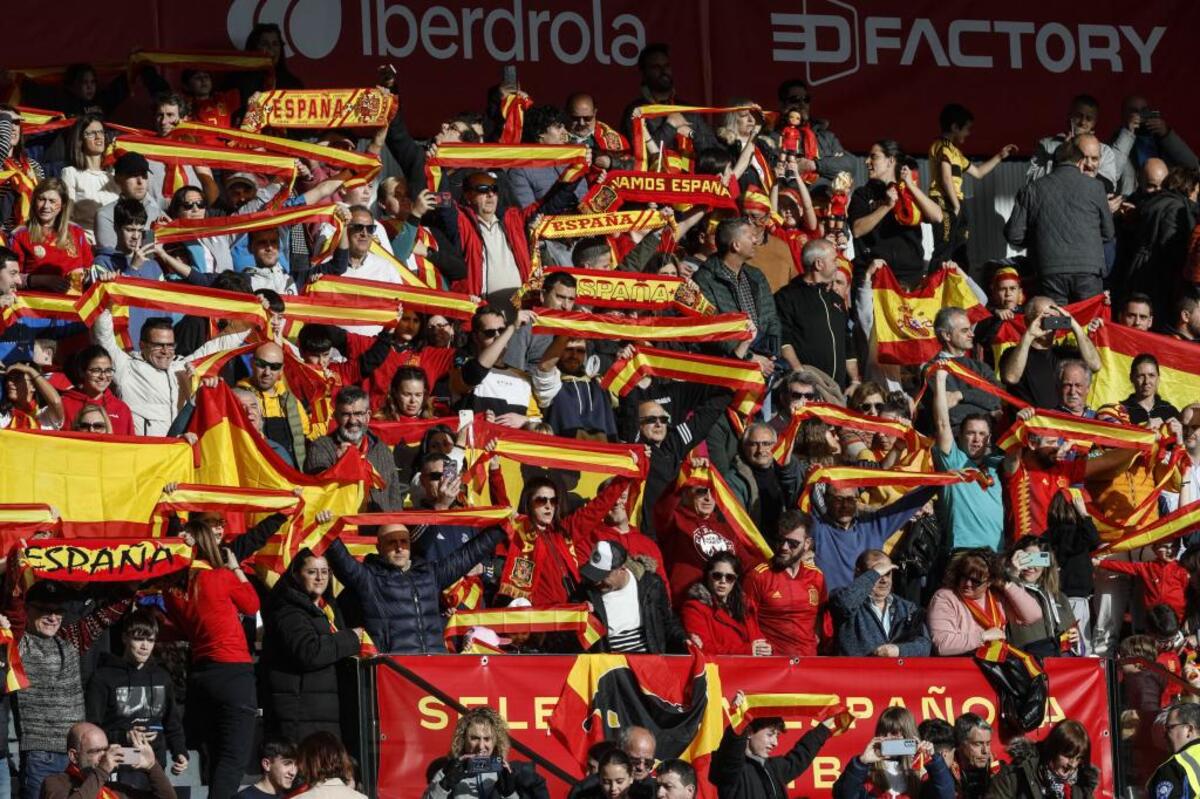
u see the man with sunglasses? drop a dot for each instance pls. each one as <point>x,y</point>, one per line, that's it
<point>354,253</point>
<point>787,592</point>
<point>692,531</point>
<point>284,420</point>
<point>762,486</point>
<point>483,381</point>
<point>829,157</point>
<point>610,149</point>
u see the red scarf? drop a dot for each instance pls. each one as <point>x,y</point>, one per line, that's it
<point>906,211</point>
<point>992,614</point>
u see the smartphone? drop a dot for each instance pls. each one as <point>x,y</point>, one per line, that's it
<point>130,755</point>
<point>449,471</point>
<point>1151,113</point>
<point>508,76</point>
<point>898,747</point>
<point>445,199</point>
<point>465,419</point>
<point>1056,323</point>
<point>1037,560</point>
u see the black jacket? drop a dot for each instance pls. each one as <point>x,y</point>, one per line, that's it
<point>298,667</point>
<point>1019,779</point>
<point>663,631</point>
<point>1169,780</point>
<point>813,321</point>
<point>120,694</point>
<point>401,609</point>
<point>590,788</point>
<point>737,775</point>
<point>1073,545</point>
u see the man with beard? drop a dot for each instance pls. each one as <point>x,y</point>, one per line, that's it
<point>974,514</point>
<point>658,87</point>
<point>574,402</point>
<point>787,592</point>
<point>352,413</point>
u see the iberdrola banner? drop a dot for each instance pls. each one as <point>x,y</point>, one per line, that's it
<point>320,108</point>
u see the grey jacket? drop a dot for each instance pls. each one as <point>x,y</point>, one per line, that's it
<point>1063,221</point>
<point>322,453</point>
<point>106,234</point>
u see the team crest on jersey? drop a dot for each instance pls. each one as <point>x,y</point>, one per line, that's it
<point>814,597</point>
<point>522,573</point>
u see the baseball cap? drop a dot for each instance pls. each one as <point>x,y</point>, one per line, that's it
<point>241,177</point>
<point>487,636</point>
<point>607,556</point>
<point>131,164</point>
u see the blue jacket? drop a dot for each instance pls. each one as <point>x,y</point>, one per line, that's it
<point>838,549</point>
<point>859,631</point>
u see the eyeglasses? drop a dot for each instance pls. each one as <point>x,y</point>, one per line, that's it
<point>352,414</point>
<point>274,367</point>
<point>760,444</point>
<point>192,206</point>
<point>808,396</point>
<point>487,188</point>
<point>870,407</point>
<point>1167,728</point>
<point>433,477</point>
<point>798,99</point>
<point>94,134</point>
<point>644,762</point>
<point>791,543</point>
<point>161,345</point>
<point>581,119</point>
<point>488,335</point>
<point>541,502</point>
<point>359,227</point>
<point>91,427</point>
<point>664,419</point>
<point>269,243</point>
<point>700,491</point>
<point>723,577</point>
<point>97,371</point>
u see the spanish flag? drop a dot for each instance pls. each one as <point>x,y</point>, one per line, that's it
<point>677,700</point>
<point>788,707</point>
<point>555,618</point>
<point>551,452</point>
<point>506,156</point>
<point>14,679</point>
<point>744,378</point>
<point>1010,331</point>
<point>903,329</point>
<point>1178,364</point>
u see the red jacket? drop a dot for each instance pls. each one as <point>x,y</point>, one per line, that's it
<point>514,221</point>
<point>118,412</point>
<point>208,614</point>
<point>721,633</point>
<point>1162,583</point>
<point>687,542</point>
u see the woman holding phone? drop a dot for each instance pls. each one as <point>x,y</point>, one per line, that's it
<point>1034,568</point>
<point>896,763</point>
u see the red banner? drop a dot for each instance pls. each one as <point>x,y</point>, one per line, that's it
<point>1020,55</point>
<point>416,727</point>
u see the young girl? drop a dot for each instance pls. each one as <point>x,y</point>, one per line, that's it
<point>874,774</point>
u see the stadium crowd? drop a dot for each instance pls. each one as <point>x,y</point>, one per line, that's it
<point>850,503</point>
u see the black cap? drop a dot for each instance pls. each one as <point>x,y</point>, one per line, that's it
<point>132,164</point>
<point>47,592</point>
<point>607,557</point>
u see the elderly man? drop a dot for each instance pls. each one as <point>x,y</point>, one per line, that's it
<point>1081,120</point>
<point>1065,222</point>
<point>972,767</point>
<point>871,620</point>
<point>1074,382</point>
<point>640,745</point>
<point>954,332</point>
<point>151,379</point>
<point>762,486</point>
<point>584,127</point>
<point>352,412</point>
<point>812,318</point>
<point>354,252</point>
<point>284,420</point>
<point>400,595</point>
<point>91,762</point>
<point>1030,369</point>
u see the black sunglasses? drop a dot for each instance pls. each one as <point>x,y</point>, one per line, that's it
<point>488,335</point>
<point>871,407</point>
<point>487,188</point>
<point>192,206</point>
<point>359,227</point>
<point>808,396</point>
<point>664,419</point>
<point>91,427</point>
<point>261,364</point>
<point>722,577</point>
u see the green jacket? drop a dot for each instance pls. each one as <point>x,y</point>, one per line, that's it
<point>720,291</point>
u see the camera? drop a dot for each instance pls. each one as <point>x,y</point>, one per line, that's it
<point>484,765</point>
<point>898,747</point>
<point>1056,323</point>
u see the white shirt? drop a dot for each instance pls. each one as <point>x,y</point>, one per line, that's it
<point>624,617</point>
<point>379,269</point>
<point>500,270</point>
<point>89,190</point>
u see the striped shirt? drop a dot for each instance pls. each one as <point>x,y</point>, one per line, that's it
<point>623,614</point>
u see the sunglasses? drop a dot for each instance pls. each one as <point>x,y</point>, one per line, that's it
<point>644,762</point>
<point>722,577</point>
<point>799,99</point>
<point>871,407</point>
<point>91,427</point>
<point>808,396</point>
<point>192,206</point>
<point>579,119</point>
<point>700,491</point>
<point>973,582</point>
<point>161,345</point>
<point>791,543</point>
<point>488,335</point>
<point>487,188</point>
<point>359,227</point>
<point>664,419</point>
<point>274,367</point>
<point>541,502</point>
<point>433,477</point>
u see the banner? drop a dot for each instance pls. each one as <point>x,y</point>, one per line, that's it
<point>82,560</point>
<point>319,108</point>
<point>903,329</point>
<point>658,187</point>
<point>605,288</point>
<point>744,378</point>
<point>418,298</point>
<point>416,727</point>
<point>578,324</point>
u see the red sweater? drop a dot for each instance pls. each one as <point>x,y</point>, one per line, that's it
<point>47,258</point>
<point>1163,583</point>
<point>208,614</point>
<point>118,412</point>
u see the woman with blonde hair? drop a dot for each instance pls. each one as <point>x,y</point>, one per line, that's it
<point>53,251</point>
<point>478,764</point>
<point>92,419</point>
<point>877,772</point>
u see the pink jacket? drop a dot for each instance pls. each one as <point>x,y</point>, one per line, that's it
<point>954,630</point>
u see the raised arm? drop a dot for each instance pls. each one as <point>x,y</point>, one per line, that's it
<point>943,433</point>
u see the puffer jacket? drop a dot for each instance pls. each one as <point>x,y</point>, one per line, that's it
<point>299,662</point>
<point>401,610</point>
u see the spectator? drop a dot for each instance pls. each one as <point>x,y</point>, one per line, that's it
<point>352,412</point>
<point>399,595</point>
<point>974,514</point>
<point>482,381</point>
<point>676,780</point>
<point>1144,405</point>
<point>1058,630</point>
<point>327,768</point>
<point>285,420</point>
<point>277,759</point>
<point>305,638</point>
<point>953,330</point>
<point>743,767</point>
<point>973,768</point>
<point>1137,312</point>
<point>1153,138</point>
<point>715,611</point>
<point>525,350</point>
<point>631,602</point>
<point>478,763</point>
<point>1182,727</point>
<point>1065,223</point>
<point>91,762</point>
<point>1187,316</point>
<point>89,185</point>
<point>638,745</point>
<point>133,696</point>
<point>544,124</point>
<point>975,603</point>
<point>1029,370</point>
<point>761,485</point>
<point>616,781</point>
<point>813,319</point>
<point>576,404</point>
<point>1074,383</point>
<point>1164,226</point>
<point>131,257</point>
<point>1082,115</point>
<point>871,620</point>
<point>91,419</point>
<point>1062,760</point>
<point>132,175</point>
<point>872,773</point>
<point>23,385</point>
<point>1164,581</point>
<point>53,251</point>
<point>787,592</point>
<point>1071,535</point>
<point>823,156</point>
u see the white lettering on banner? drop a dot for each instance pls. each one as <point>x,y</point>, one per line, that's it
<point>833,39</point>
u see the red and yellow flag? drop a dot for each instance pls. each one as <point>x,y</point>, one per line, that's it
<point>320,108</point>
<point>1178,364</point>
<point>409,431</point>
<point>526,621</point>
<point>664,188</point>
<point>16,678</point>
<point>83,560</point>
<point>1180,523</point>
<point>196,498</point>
<point>171,298</point>
<point>419,298</point>
<point>573,226</point>
<point>858,477</point>
<point>512,111</point>
<point>744,378</point>
<point>551,452</point>
<point>739,521</point>
<point>206,60</point>
<point>1083,433</point>
<point>36,120</point>
<point>501,156</point>
<point>191,229</point>
<point>577,324</point>
<point>603,288</point>
<point>903,328</point>
<point>641,158</point>
<point>839,417</point>
<point>790,707</point>
<point>475,518</point>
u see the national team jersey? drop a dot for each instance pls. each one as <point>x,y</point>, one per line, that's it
<point>787,607</point>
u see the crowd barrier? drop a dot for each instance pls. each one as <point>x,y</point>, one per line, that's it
<point>408,707</point>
